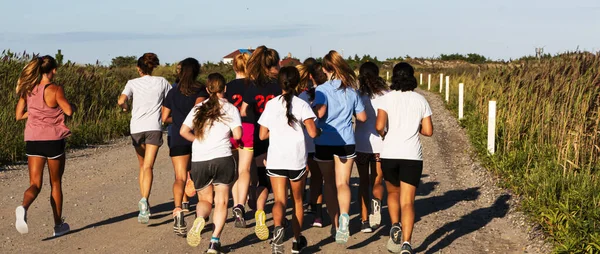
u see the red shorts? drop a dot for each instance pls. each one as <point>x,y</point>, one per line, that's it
<point>247,141</point>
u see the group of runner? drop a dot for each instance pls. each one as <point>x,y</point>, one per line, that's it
<point>264,131</point>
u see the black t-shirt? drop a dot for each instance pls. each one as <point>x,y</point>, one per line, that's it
<point>180,106</point>
<point>235,93</point>
<point>257,97</point>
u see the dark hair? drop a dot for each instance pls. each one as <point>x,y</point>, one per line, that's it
<point>147,63</point>
<point>288,78</point>
<point>316,71</point>
<point>370,82</point>
<point>403,77</point>
<point>188,83</point>
<point>333,62</point>
<point>309,62</point>
<point>210,111</point>
<point>31,75</point>
<point>259,65</point>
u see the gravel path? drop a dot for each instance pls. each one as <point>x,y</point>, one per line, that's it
<point>459,209</point>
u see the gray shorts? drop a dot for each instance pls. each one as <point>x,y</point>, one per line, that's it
<point>148,138</point>
<point>216,171</point>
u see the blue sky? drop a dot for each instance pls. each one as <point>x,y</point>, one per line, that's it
<point>207,30</point>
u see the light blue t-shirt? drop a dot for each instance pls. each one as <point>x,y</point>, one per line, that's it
<point>341,104</point>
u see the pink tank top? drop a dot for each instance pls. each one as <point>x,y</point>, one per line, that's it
<point>44,123</point>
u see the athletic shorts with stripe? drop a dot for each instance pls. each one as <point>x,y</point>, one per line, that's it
<point>51,149</point>
<point>326,153</point>
<point>293,175</point>
<point>216,171</point>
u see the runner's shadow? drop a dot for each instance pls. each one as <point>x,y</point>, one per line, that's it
<point>155,209</point>
<point>465,225</point>
<point>424,207</point>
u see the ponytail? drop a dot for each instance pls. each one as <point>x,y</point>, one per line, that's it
<point>371,83</point>
<point>210,111</point>
<point>334,63</point>
<point>288,78</point>
<point>32,74</point>
<point>259,65</point>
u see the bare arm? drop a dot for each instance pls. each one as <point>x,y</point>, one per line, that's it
<point>20,113</point>
<point>123,102</point>
<point>166,115</point>
<point>381,122</point>
<point>186,133</point>
<point>320,110</point>
<point>264,133</point>
<point>62,101</point>
<point>311,128</point>
<point>426,127</point>
<point>362,116</point>
<point>243,109</point>
<point>236,133</point>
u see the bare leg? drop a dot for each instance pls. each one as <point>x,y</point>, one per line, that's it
<point>393,201</point>
<point>180,165</point>
<point>316,182</point>
<point>36,168</point>
<point>240,187</point>
<point>56,167</point>
<point>205,202</point>
<point>343,169</point>
<point>377,180</point>
<point>279,185</point>
<point>220,214</point>
<point>298,215</point>
<point>148,166</point>
<point>330,191</point>
<point>407,204</point>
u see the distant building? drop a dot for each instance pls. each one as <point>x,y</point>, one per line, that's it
<point>228,59</point>
<point>289,61</point>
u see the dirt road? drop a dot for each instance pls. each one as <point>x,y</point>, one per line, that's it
<point>459,209</point>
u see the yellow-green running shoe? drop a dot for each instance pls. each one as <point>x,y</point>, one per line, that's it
<point>260,229</point>
<point>194,235</point>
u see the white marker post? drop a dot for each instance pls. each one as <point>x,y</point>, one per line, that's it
<point>447,88</point>
<point>491,142</point>
<point>461,100</point>
<point>387,76</point>
<point>441,82</point>
<point>421,79</point>
<point>429,82</point>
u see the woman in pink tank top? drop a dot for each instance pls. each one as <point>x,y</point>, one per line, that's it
<point>44,105</point>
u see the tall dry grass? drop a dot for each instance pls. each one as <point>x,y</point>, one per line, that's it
<point>548,138</point>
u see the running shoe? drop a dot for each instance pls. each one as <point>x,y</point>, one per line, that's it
<point>185,206</point>
<point>406,249</point>
<point>190,189</point>
<point>366,227</point>
<point>277,242</point>
<point>239,215</point>
<point>144,215</point>
<point>21,223</point>
<point>299,245</point>
<point>343,232</point>
<point>260,229</point>
<point>61,229</point>
<point>214,247</point>
<point>179,226</point>
<point>394,243</point>
<point>194,235</point>
<point>318,222</point>
<point>375,218</point>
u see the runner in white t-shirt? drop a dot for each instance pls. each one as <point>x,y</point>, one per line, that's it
<point>282,122</point>
<point>406,114</point>
<point>368,146</point>
<point>209,126</point>
<point>311,75</point>
<point>148,93</point>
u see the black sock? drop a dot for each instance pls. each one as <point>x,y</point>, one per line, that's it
<point>318,209</point>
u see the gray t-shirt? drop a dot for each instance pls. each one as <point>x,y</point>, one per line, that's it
<point>148,93</point>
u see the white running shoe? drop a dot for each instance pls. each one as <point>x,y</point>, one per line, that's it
<point>21,223</point>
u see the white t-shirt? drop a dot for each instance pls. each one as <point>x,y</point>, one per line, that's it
<point>310,143</point>
<point>405,111</point>
<point>147,93</point>
<point>215,143</point>
<point>287,149</point>
<point>367,138</point>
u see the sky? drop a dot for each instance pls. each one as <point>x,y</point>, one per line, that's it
<point>87,31</point>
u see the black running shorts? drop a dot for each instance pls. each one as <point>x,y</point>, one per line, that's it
<point>293,175</point>
<point>326,153</point>
<point>51,149</point>
<point>216,171</point>
<point>397,170</point>
<point>180,151</point>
